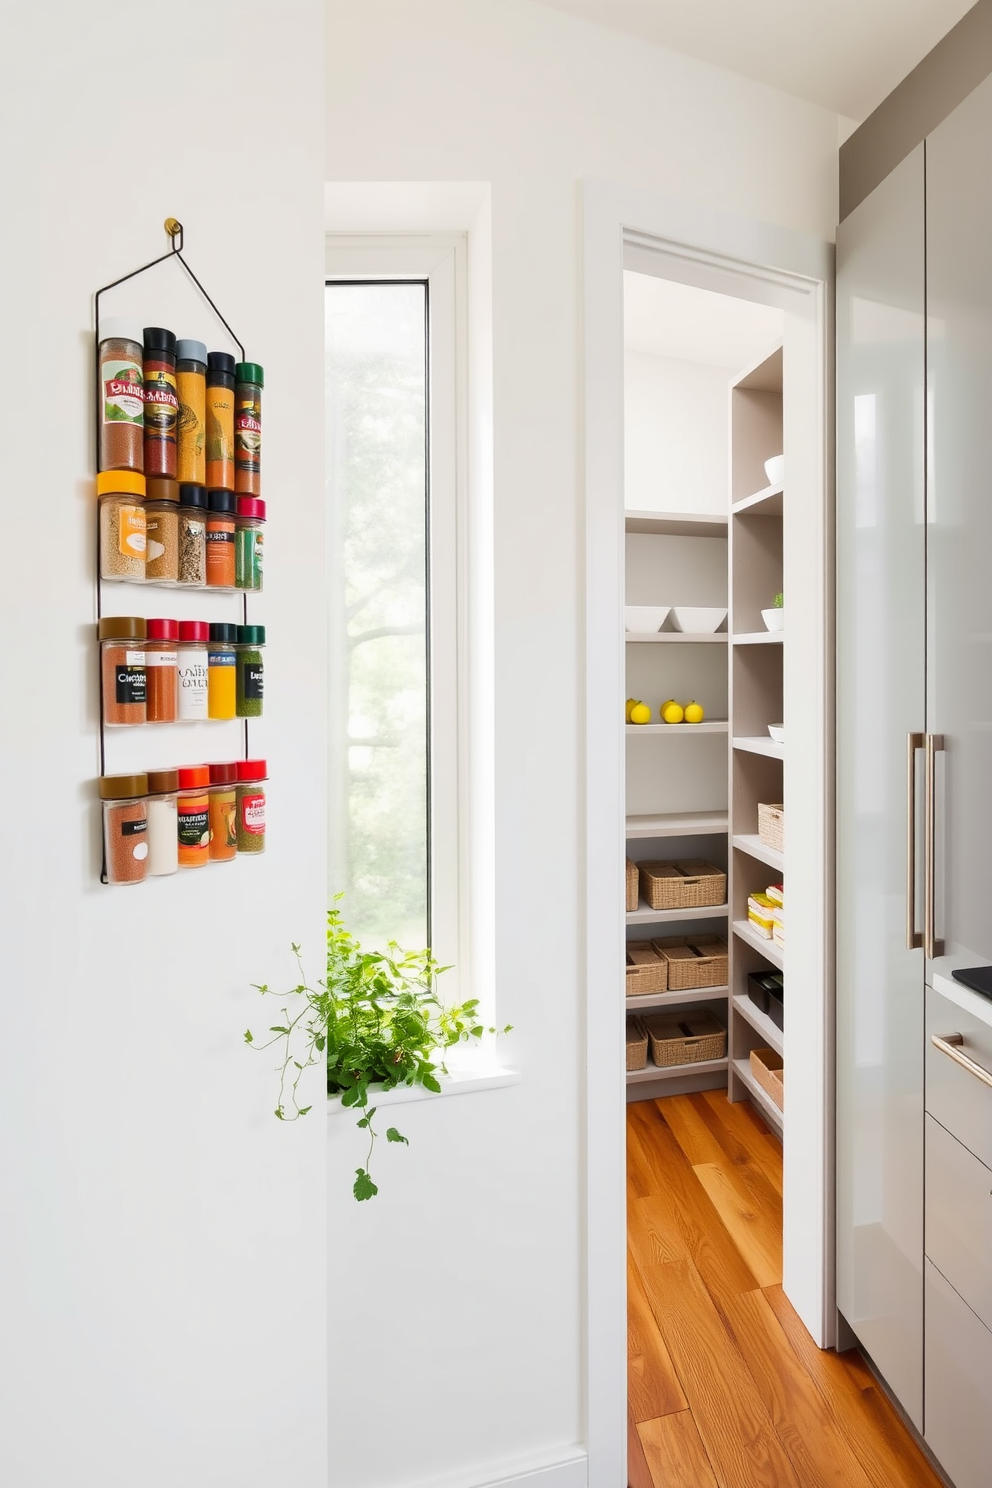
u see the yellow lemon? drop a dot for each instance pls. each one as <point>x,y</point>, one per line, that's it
<point>671,712</point>
<point>694,713</point>
<point>631,703</point>
<point>640,713</point>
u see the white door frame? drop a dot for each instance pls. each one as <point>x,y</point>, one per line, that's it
<point>752,260</point>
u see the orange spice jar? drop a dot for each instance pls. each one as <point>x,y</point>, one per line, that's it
<point>223,812</point>
<point>193,816</point>
<point>162,671</point>
<point>221,509</point>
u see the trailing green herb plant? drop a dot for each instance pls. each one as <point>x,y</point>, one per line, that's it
<point>375,1020</point>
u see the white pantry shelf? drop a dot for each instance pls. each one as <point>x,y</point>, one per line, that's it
<point>644,915</point>
<point>678,824</point>
<point>764,503</point>
<point>766,948</point>
<point>683,637</point>
<point>676,524</point>
<point>759,638</point>
<point>759,744</point>
<point>764,1102</point>
<point>673,1071</point>
<point>761,1023</point>
<point>652,1001</point>
<point>751,843</point>
<point>716,726</point>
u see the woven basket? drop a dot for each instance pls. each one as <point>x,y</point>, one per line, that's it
<point>694,961</point>
<point>767,1069</point>
<point>771,826</point>
<point>685,1037</point>
<point>692,884</point>
<point>632,886</point>
<point>637,1045</point>
<point>647,970</point>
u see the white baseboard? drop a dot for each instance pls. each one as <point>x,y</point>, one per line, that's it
<point>565,1468</point>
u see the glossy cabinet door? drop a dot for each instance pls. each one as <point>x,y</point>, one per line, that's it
<point>959,519</point>
<point>880,702</point>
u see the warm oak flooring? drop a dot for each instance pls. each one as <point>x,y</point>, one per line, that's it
<point>727,1389</point>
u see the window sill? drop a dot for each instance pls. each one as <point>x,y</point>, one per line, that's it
<point>458,1082</point>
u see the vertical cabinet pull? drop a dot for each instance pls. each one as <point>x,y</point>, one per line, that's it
<point>931,945</point>
<point>913,937</point>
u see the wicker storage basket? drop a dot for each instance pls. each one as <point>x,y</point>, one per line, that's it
<point>647,969</point>
<point>637,1045</point>
<point>694,961</point>
<point>692,884</point>
<point>686,1037</point>
<point>767,1069</point>
<point>771,826</point>
<point>632,886</point>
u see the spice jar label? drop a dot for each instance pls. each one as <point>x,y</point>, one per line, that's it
<point>160,658</point>
<point>161,405</point>
<point>130,681</point>
<point>131,539</point>
<point>192,690</point>
<point>253,814</point>
<point>248,437</point>
<point>193,829</point>
<point>123,402</point>
<point>253,682</point>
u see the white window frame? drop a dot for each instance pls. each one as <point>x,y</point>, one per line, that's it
<point>440,260</point>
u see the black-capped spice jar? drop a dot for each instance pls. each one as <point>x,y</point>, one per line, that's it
<point>221,508</point>
<point>125,827</point>
<point>121,394</point>
<point>220,421</point>
<point>192,536</point>
<point>249,379</point>
<point>161,402</point>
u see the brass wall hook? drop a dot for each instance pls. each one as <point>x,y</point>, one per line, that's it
<point>175,230</point>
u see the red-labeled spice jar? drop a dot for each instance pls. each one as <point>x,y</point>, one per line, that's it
<point>221,508</point>
<point>162,668</point>
<point>193,816</point>
<point>122,404</point>
<point>161,402</point>
<point>252,775</point>
<point>223,812</point>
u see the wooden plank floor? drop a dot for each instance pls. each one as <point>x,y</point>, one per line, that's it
<point>726,1387</point>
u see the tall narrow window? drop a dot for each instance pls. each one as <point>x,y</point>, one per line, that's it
<point>380,674</point>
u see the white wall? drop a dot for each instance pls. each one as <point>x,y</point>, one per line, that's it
<point>531,101</point>
<point>163,1239</point>
<point>676,432</point>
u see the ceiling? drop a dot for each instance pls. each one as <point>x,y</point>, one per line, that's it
<point>695,325</point>
<point>844,54</point>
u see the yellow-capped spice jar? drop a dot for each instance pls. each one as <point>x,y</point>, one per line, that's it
<point>121,494</point>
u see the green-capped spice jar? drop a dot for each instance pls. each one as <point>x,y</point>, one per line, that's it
<point>250,677</point>
<point>250,827</point>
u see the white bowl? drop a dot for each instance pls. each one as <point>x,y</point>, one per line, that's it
<point>775,470</point>
<point>774,619</point>
<point>645,619</point>
<point>776,732</point>
<point>697,621</point>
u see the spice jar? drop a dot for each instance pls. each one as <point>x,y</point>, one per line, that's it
<point>121,494</point>
<point>249,670</point>
<point>122,414</point>
<point>191,386</point>
<point>251,806</point>
<point>162,663</point>
<point>221,506</point>
<point>223,813</point>
<point>163,842</point>
<point>221,669</point>
<point>192,650</point>
<point>193,817</point>
<point>122,669</point>
<point>161,530</point>
<point>249,380</point>
<point>248,537</point>
<point>125,828</point>
<point>192,535</point>
<point>220,421</point>
<point>161,402</point>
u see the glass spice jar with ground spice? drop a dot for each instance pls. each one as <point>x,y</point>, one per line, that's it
<point>125,827</point>
<point>123,685</point>
<point>193,817</point>
<point>250,673</point>
<point>248,538</point>
<point>220,421</point>
<point>191,386</point>
<point>161,402</point>
<point>162,665</point>
<point>249,379</point>
<point>252,775</point>
<point>192,649</point>
<point>221,507</point>
<point>121,494</point>
<point>223,812</point>
<point>192,535</point>
<point>161,530</point>
<point>221,671</point>
<point>122,406</point>
<point>163,841</point>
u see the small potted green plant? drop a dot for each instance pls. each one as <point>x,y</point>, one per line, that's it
<point>775,617</point>
<point>375,1022</point>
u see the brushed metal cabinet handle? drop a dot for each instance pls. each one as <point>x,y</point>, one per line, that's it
<point>914,938</point>
<point>932,947</point>
<point>950,1044</point>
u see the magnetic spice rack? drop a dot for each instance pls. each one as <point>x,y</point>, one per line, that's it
<point>174,229</point>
